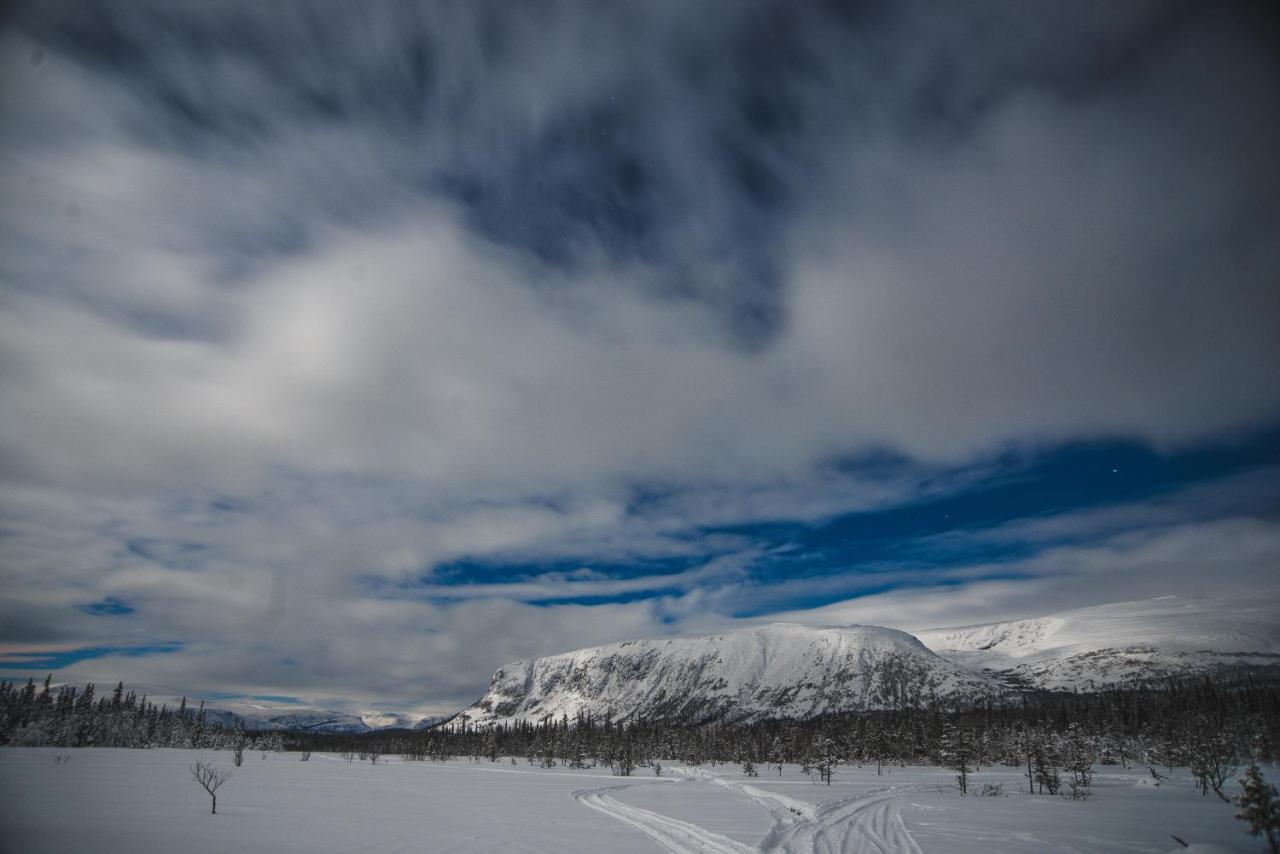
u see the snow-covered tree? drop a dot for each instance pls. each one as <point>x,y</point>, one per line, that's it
<point>957,754</point>
<point>777,753</point>
<point>1260,806</point>
<point>1078,756</point>
<point>824,757</point>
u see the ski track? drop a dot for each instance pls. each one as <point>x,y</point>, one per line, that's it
<point>678,837</point>
<point>866,823</point>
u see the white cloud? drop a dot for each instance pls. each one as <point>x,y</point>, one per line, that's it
<point>229,279</point>
<point>1207,558</point>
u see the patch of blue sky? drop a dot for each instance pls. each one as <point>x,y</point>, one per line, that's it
<point>922,536</point>
<point>1063,479</point>
<point>109,607</point>
<point>611,599</point>
<point>475,571</point>
<point>54,660</point>
<point>285,699</point>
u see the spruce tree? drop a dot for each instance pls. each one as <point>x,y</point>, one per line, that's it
<point>1260,806</point>
<point>957,753</point>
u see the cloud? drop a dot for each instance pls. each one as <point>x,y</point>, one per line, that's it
<point>351,654</point>
<point>1206,558</point>
<point>300,305</point>
<point>1008,282</point>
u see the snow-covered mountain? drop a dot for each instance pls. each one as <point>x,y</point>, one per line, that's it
<point>262,716</point>
<point>780,670</point>
<point>431,721</point>
<point>265,716</point>
<point>394,720</point>
<point>257,716</point>
<point>387,720</point>
<point>1088,648</point>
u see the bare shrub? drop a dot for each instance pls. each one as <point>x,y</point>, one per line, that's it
<point>210,778</point>
<point>1213,761</point>
<point>1076,791</point>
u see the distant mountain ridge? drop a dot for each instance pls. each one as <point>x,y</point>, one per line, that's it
<point>257,716</point>
<point>1123,642</point>
<point>780,670</point>
<point>262,716</point>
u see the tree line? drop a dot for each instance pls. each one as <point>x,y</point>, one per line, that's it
<point>1210,725</point>
<point>69,717</point>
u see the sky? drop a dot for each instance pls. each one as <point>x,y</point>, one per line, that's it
<point>350,351</point>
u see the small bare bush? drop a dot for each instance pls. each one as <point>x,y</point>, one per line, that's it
<point>210,778</point>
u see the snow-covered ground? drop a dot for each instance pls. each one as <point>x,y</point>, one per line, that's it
<point>142,801</point>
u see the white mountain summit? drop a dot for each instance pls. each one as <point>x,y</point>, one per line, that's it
<point>779,670</point>
<point>792,671</point>
<point>1087,648</point>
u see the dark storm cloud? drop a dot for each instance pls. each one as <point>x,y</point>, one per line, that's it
<point>295,296</point>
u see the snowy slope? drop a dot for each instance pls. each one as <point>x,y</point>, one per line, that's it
<point>1124,641</point>
<point>779,670</point>
<point>431,721</point>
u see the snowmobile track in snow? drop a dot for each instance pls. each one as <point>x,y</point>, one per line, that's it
<point>859,824</point>
<point>862,824</point>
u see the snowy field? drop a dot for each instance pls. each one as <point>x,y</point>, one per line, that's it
<point>143,801</point>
